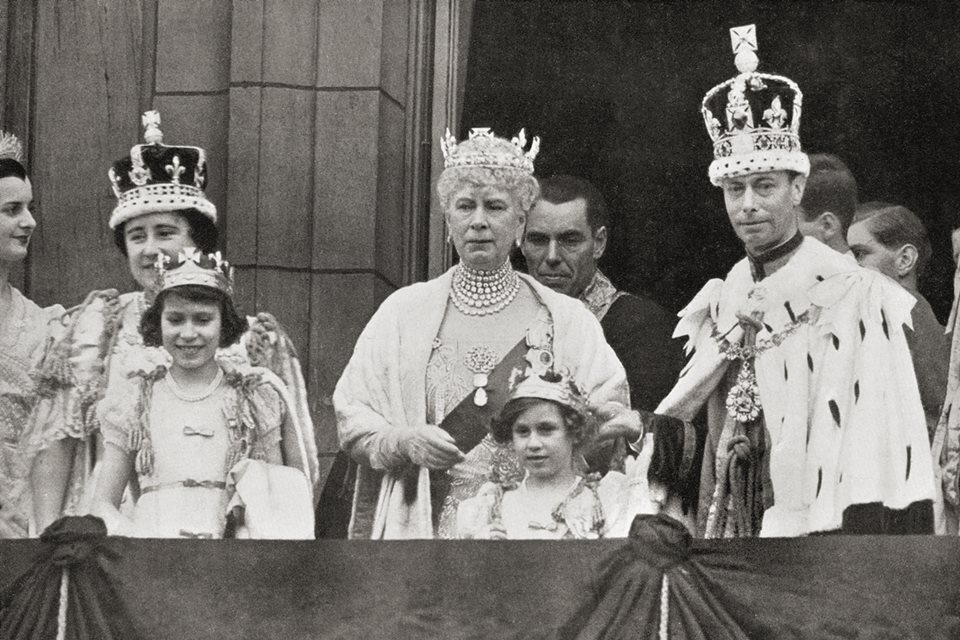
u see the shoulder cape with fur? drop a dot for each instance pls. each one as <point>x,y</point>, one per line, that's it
<point>837,385</point>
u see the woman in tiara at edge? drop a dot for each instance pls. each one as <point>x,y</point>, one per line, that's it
<point>100,343</point>
<point>192,431</point>
<point>431,368</point>
<point>23,331</point>
<point>547,423</point>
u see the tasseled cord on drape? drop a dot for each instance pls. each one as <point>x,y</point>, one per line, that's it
<point>62,610</point>
<point>654,587</point>
<point>665,608</point>
<point>67,592</point>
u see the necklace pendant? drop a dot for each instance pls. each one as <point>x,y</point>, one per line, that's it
<point>480,360</point>
<point>480,397</point>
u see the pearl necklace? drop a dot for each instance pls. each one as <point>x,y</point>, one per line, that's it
<point>480,293</point>
<point>196,396</point>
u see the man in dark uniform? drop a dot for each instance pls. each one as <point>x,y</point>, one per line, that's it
<point>566,235</point>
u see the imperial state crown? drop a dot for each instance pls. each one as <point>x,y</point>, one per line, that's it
<point>754,118</point>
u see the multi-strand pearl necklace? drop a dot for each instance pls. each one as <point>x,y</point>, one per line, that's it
<point>480,293</point>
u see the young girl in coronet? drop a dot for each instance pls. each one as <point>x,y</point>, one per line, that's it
<point>547,422</point>
<point>186,437</point>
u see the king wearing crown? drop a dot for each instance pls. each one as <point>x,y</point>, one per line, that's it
<point>798,357</point>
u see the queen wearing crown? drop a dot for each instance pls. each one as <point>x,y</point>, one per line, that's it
<point>161,210</point>
<point>23,330</point>
<point>432,366</point>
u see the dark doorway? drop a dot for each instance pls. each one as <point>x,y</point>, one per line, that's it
<point>614,90</point>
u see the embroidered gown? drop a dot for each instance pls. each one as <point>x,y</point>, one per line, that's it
<point>186,445</point>
<point>23,330</point>
<point>97,347</point>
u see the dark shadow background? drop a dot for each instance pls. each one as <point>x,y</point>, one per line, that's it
<point>614,90</point>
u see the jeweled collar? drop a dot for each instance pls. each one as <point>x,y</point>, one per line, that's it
<point>758,263</point>
<point>480,293</point>
<point>600,295</point>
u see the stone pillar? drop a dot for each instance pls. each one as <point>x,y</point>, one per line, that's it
<point>318,136</point>
<point>73,93</point>
<point>315,115</point>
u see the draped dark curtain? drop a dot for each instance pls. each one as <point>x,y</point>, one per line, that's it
<point>833,587</point>
<point>30,602</point>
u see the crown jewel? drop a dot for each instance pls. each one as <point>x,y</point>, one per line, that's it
<point>483,149</point>
<point>194,267</point>
<point>10,147</point>
<point>753,119</point>
<point>157,178</point>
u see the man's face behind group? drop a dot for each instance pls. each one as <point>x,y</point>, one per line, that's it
<point>560,248</point>
<point>762,208</point>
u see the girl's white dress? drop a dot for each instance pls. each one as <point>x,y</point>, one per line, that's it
<point>185,446</point>
<point>94,353</point>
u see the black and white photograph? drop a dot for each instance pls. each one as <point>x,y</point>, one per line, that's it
<point>479,319</point>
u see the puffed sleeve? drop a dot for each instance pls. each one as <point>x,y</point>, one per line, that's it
<point>71,372</point>
<point>53,313</point>
<point>118,417</point>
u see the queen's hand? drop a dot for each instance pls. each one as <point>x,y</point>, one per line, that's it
<point>430,446</point>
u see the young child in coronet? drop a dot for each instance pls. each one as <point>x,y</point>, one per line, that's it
<point>200,441</point>
<point>547,422</point>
